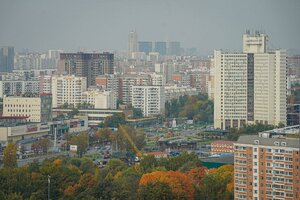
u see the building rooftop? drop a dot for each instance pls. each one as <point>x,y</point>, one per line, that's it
<point>223,142</point>
<point>266,141</point>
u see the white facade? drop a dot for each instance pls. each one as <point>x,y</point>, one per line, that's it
<point>250,87</point>
<point>126,83</point>
<point>45,84</point>
<point>68,89</point>
<point>150,99</point>
<point>255,43</point>
<point>14,133</point>
<point>174,92</point>
<point>270,87</point>
<point>158,79</point>
<point>21,106</point>
<point>230,102</point>
<point>100,100</point>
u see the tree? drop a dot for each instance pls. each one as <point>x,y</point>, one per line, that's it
<point>197,175</point>
<point>103,135</point>
<point>41,145</point>
<point>74,112</point>
<point>115,120</point>
<point>81,140</point>
<point>148,163</point>
<point>179,183</point>
<point>218,184</point>
<point>14,196</point>
<point>198,108</point>
<point>137,113</point>
<point>65,105</point>
<point>154,191</point>
<point>175,163</point>
<point>10,156</point>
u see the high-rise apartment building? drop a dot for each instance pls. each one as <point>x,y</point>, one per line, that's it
<point>161,48</point>
<point>7,59</point>
<point>126,82</point>
<point>132,43</point>
<point>250,87</point>
<point>88,65</point>
<point>67,89</point>
<point>36,109</point>
<point>266,168</point>
<point>145,47</point>
<point>150,99</point>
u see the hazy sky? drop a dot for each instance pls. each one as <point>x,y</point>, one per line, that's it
<point>104,24</point>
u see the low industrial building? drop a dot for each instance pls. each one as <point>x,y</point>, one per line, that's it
<point>13,129</point>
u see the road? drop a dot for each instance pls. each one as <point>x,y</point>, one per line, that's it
<point>23,162</point>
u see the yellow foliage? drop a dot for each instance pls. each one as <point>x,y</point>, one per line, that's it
<point>180,184</point>
<point>57,162</point>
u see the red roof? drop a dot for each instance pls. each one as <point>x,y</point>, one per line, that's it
<point>45,94</point>
<point>13,117</point>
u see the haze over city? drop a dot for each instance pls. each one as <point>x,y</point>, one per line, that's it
<point>90,25</point>
<point>136,99</point>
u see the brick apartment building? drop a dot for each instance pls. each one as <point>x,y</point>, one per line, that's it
<point>266,168</point>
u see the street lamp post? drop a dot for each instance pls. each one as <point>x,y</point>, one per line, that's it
<point>49,181</point>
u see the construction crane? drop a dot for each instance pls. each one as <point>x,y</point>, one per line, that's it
<point>126,135</point>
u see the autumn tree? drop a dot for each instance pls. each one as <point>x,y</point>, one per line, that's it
<point>197,175</point>
<point>218,184</point>
<point>10,156</point>
<point>103,135</point>
<point>41,145</point>
<point>179,183</point>
<point>81,140</point>
<point>155,191</point>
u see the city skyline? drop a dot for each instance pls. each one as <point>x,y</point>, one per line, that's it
<point>92,25</point>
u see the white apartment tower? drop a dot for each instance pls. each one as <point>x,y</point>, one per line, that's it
<point>150,99</point>
<point>67,89</point>
<point>250,87</point>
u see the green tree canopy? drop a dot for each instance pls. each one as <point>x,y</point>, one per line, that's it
<point>10,156</point>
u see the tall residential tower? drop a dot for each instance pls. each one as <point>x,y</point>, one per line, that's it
<point>250,87</point>
<point>88,65</point>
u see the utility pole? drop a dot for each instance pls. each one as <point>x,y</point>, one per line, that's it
<point>49,181</point>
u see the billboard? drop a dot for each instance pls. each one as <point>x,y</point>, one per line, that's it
<point>73,148</point>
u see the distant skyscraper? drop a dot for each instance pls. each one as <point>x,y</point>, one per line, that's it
<point>7,59</point>
<point>250,87</point>
<point>145,47</point>
<point>88,65</point>
<point>161,48</point>
<point>132,43</point>
<point>174,48</point>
